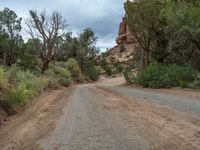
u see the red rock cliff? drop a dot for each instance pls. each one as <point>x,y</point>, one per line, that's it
<point>125,40</point>
<point>125,36</point>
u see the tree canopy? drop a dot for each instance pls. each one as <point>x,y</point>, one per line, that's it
<point>166,31</point>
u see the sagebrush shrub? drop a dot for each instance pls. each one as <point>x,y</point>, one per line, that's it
<point>58,73</point>
<point>25,85</point>
<point>17,96</point>
<point>65,77</point>
<point>12,72</point>
<point>52,80</point>
<point>75,70</point>
<point>3,79</point>
<point>31,81</point>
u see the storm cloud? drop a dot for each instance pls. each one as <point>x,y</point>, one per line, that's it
<point>103,16</point>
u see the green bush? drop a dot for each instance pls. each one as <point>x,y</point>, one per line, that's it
<point>120,68</point>
<point>12,72</point>
<point>58,73</point>
<point>103,63</point>
<point>196,83</point>
<point>24,85</point>
<point>32,82</point>
<point>165,76</point>
<point>99,69</point>
<point>17,96</point>
<point>28,61</point>
<point>108,70</point>
<point>122,48</point>
<point>153,77</point>
<point>52,79</point>
<point>65,77</point>
<point>59,64</point>
<point>128,75</point>
<point>180,75</point>
<point>3,79</point>
<point>92,72</point>
<point>73,67</point>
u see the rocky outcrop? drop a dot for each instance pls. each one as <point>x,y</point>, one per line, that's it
<point>125,35</point>
<point>125,44</point>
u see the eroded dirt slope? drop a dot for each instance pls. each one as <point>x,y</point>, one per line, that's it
<point>21,131</point>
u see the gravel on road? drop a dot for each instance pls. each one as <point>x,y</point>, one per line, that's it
<point>183,103</point>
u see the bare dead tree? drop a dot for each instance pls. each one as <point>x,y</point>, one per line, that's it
<point>46,31</point>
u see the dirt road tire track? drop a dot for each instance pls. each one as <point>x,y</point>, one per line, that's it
<point>165,128</point>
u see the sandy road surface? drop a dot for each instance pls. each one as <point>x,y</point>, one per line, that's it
<point>104,116</point>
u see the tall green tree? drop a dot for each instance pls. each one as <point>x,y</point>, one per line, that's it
<point>166,31</point>
<point>87,48</point>
<point>82,48</point>
<point>184,19</point>
<point>11,41</point>
<point>69,48</point>
<point>150,30</point>
<point>28,59</point>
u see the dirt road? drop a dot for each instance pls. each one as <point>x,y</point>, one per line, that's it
<point>106,116</point>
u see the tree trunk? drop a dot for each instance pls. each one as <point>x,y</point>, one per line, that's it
<point>143,60</point>
<point>147,58</point>
<point>45,66</point>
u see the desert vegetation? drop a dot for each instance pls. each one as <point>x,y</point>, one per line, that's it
<point>167,34</point>
<point>51,57</point>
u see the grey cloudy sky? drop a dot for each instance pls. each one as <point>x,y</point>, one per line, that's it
<point>103,16</point>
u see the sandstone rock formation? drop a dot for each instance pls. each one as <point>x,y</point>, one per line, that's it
<point>125,35</point>
<point>125,44</point>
